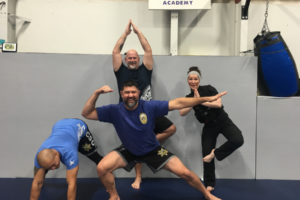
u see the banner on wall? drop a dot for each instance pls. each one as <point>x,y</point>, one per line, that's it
<point>179,4</point>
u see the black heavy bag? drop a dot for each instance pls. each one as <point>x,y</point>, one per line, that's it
<point>277,71</point>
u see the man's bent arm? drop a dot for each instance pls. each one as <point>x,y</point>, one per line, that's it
<point>185,102</point>
<point>71,176</point>
<point>148,59</point>
<point>89,110</point>
<point>116,54</point>
<point>37,183</point>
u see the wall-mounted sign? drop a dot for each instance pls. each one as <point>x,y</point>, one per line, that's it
<point>9,47</point>
<point>179,4</point>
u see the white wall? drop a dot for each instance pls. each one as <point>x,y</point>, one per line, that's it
<point>88,27</point>
<point>93,26</point>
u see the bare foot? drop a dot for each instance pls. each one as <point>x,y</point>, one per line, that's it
<point>209,157</point>
<point>136,184</point>
<point>210,188</point>
<point>212,197</point>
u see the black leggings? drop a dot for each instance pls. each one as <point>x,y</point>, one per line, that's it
<point>209,138</point>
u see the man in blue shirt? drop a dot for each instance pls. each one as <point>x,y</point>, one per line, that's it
<point>141,72</point>
<point>68,136</point>
<point>134,120</point>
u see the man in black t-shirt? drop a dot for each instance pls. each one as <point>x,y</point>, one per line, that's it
<point>131,69</point>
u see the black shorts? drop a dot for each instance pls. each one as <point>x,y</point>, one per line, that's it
<point>87,144</point>
<point>162,124</point>
<point>155,159</point>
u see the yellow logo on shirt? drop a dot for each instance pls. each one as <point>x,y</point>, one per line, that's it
<point>143,118</point>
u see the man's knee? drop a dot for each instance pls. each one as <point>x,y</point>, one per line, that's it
<point>110,163</point>
<point>101,170</point>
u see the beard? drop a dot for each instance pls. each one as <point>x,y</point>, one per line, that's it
<point>132,103</point>
<point>132,65</point>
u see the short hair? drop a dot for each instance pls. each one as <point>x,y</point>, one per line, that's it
<point>194,68</point>
<point>130,83</point>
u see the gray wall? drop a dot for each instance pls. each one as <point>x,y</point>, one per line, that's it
<point>39,89</point>
<point>278,138</point>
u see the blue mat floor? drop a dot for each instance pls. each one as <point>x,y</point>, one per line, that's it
<point>154,189</point>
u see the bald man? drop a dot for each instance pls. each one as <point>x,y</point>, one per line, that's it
<point>68,136</point>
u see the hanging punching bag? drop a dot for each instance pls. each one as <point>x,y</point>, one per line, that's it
<point>276,67</point>
<point>277,71</point>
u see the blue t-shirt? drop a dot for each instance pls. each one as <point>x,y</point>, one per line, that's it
<point>135,128</point>
<point>65,137</point>
<point>141,75</point>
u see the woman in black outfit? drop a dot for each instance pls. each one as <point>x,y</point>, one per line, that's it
<point>216,121</point>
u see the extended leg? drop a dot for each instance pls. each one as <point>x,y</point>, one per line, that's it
<point>176,166</point>
<point>105,168</point>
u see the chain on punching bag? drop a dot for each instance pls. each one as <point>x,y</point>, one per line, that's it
<point>277,71</point>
